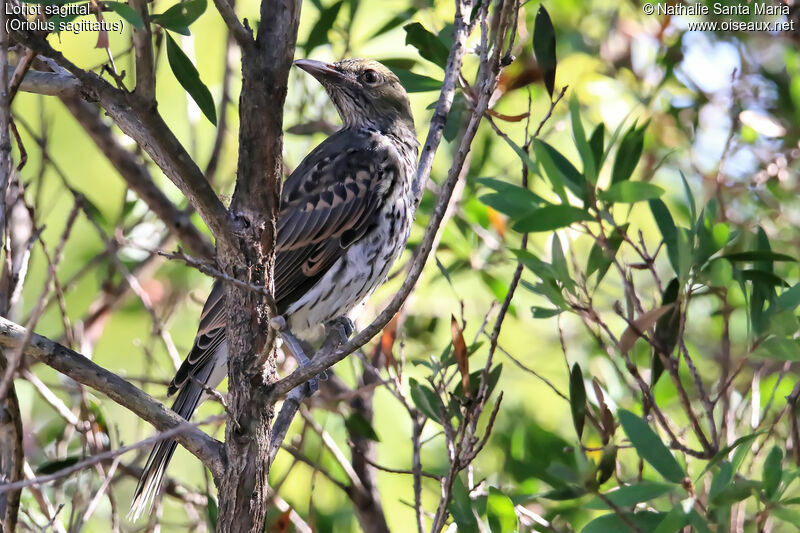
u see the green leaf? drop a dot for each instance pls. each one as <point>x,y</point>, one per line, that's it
<point>461,508</point>
<point>212,511</point>
<point>771,475</point>
<point>689,198</point>
<point>630,192</point>
<point>630,495</point>
<point>416,83</point>
<point>358,424</point>
<point>475,381</point>
<point>550,218</point>
<point>788,300</point>
<point>779,348</point>
<point>645,520</point>
<point>509,199</point>
<point>125,11</point>
<point>736,491</point>
<point>786,514</point>
<point>666,331</point>
<point>319,32</point>
<point>51,467</point>
<point>596,142</point>
<point>758,255</point>
<point>744,441</point>
<point>721,480</point>
<point>578,133</point>
<point>577,399</point>
<point>668,232</point>
<point>628,154</point>
<point>601,257</point>
<point>650,447</point>
<point>541,268</point>
<point>429,45</point>
<point>500,511</point>
<point>179,17</point>
<point>559,262</point>
<point>544,47</point>
<point>543,312</point>
<point>426,400</point>
<point>677,518</point>
<point>559,170</point>
<point>189,78</point>
<point>394,22</point>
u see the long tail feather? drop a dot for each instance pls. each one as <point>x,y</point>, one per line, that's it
<point>150,482</point>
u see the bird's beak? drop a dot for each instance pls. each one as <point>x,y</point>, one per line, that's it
<point>323,72</point>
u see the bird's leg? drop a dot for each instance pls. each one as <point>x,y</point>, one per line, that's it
<point>295,346</point>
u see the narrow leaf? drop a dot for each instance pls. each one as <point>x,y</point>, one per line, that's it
<point>628,154</point>
<point>189,78</point>
<point>630,192</point>
<point>544,47</point>
<point>550,218</point>
<point>125,11</point>
<point>319,32</point>
<point>577,399</point>
<point>650,447</point>
<point>429,45</point>
<point>179,17</point>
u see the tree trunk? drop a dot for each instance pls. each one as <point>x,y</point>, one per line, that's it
<point>251,365</point>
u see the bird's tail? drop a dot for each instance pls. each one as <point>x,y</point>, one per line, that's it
<point>150,481</point>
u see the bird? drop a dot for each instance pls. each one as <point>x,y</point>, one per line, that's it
<point>345,216</point>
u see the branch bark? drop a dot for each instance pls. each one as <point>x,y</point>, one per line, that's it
<point>141,121</point>
<point>137,177</point>
<point>244,494</point>
<point>82,370</point>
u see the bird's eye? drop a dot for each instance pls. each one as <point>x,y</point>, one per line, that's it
<point>371,77</point>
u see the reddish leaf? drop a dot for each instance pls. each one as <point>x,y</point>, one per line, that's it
<point>460,353</point>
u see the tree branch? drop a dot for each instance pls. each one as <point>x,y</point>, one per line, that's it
<point>138,177</point>
<point>82,370</point>
<point>141,121</point>
<point>143,45</point>
<point>242,34</point>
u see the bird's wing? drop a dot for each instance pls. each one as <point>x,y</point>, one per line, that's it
<point>210,336</point>
<point>328,203</point>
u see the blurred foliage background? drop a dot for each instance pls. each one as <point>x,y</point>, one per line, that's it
<point>720,109</point>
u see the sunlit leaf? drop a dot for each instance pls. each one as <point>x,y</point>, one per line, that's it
<point>650,448</point>
<point>189,78</point>
<point>429,45</point>
<point>500,511</point>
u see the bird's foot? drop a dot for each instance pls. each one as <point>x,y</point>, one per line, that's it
<point>341,326</point>
<point>295,346</point>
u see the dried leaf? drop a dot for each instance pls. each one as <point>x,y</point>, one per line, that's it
<point>497,221</point>
<point>460,353</point>
<point>641,324</point>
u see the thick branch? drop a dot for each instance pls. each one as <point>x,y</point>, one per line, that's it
<point>49,83</point>
<point>137,177</point>
<point>143,44</point>
<point>82,370</point>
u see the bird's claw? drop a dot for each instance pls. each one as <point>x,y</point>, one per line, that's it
<point>342,326</point>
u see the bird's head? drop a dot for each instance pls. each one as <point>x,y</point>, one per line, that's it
<point>365,93</point>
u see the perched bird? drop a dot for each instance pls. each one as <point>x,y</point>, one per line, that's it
<point>345,217</point>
